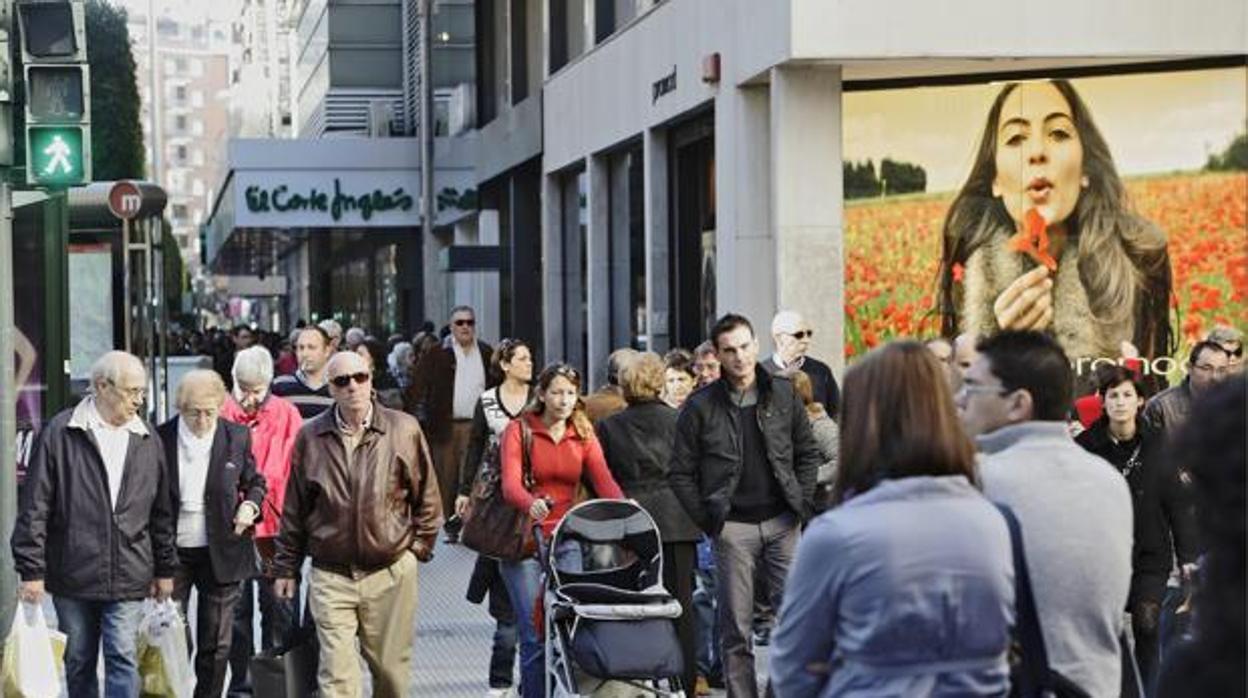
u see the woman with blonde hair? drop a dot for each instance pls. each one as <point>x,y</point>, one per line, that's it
<point>827,435</point>
<point>562,450</point>
<point>907,586</point>
<point>638,446</point>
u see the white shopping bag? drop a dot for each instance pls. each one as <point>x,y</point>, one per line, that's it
<point>29,659</point>
<point>164,663</point>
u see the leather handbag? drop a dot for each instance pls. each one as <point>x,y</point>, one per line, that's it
<point>492,527</point>
<point>289,671</point>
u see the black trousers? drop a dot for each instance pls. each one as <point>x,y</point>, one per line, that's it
<point>215,617</point>
<point>679,562</point>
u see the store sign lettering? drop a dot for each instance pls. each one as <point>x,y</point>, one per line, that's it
<point>281,199</point>
<point>663,86</point>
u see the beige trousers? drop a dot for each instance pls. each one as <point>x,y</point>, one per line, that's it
<point>379,609</point>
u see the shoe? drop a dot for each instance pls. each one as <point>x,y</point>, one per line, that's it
<point>762,637</point>
<point>504,692</point>
<point>702,687</point>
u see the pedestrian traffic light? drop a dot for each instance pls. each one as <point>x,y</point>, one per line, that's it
<point>58,92</point>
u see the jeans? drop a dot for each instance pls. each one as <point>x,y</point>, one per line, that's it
<point>710,663</point>
<point>85,624</point>
<point>524,585</point>
<point>503,651</point>
<point>278,620</point>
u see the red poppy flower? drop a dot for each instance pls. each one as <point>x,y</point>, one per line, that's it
<point>1034,240</point>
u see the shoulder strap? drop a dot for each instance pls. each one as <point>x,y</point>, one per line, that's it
<point>526,445</point>
<point>1035,659</point>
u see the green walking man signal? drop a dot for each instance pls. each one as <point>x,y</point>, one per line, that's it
<point>58,92</point>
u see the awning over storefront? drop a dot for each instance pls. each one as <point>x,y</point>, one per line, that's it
<point>276,192</point>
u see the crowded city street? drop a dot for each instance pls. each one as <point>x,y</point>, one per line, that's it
<point>623,349</point>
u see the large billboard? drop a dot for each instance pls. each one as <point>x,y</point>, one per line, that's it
<point>1109,210</point>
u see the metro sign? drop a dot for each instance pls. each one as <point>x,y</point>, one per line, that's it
<point>55,155</point>
<point>125,200</point>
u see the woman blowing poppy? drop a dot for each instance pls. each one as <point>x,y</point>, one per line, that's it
<point>1045,236</point>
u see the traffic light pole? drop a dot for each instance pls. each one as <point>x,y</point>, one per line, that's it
<point>8,408</point>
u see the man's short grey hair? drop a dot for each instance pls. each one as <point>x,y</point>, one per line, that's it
<point>199,382</point>
<point>786,321</point>
<point>463,309</point>
<point>704,348</point>
<point>344,356</point>
<point>110,367</point>
<point>253,366</point>
<point>356,335</point>
<point>617,361</point>
<point>332,328</point>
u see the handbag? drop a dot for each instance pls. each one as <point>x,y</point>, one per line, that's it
<point>288,671</point>
<point>492,527</point>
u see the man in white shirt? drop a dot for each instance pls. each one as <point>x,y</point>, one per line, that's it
<point>95,525</point>
<point>217,493</point>
<point>444,396</point>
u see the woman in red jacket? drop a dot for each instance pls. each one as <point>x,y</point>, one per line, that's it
<point>274,423</point>
<point>562,450</point>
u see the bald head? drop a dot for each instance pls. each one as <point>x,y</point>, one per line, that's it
<point>345,363</point>
<point>786,321</point>
<point>119,384</point>
<point>964,350</point>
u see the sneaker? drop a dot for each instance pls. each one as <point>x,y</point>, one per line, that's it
<point>504,692</point>
<point>762,637</point>
<point>702,687</point>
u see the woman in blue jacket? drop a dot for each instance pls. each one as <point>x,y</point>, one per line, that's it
<point>906,587</point>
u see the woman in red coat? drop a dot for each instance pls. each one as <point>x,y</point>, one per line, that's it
<point>563,449</point>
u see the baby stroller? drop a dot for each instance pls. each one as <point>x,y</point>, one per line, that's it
<point>609,622</point>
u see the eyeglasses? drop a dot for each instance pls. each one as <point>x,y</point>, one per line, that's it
<point>972,389</point>
<point>465,323</point>
<point>802,334</point>
<point>139,393</point>
<point>344,380</point>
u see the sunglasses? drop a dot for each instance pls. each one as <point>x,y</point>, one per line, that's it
<point>802,334</point>
<point>567,372</point>
<point>344,380</point>
<point>465,323</point>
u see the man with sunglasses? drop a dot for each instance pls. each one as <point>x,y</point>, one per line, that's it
<point>444,395</point>
<point>792,337</point>
<point>363,504</point>
<point>1074,507</point>
<point>96,525</point>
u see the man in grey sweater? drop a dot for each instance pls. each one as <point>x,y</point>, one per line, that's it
<point>1075,508</point>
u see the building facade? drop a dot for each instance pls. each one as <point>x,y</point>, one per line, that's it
<point>689,156</point>
<point>188,91</point>
<point>260,70</point>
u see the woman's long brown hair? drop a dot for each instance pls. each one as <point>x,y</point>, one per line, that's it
<point>897,421</point>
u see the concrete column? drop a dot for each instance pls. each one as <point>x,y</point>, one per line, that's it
<point>552,271</point>
<point>598,270</point>
<point>621,251</point>
<point>807,205</point>
<point>486,287</point>
<point>658,299</point>
<point>745,246</point>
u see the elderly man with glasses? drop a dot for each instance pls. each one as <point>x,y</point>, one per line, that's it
<point>792,337</point>
<point>274,423</point>
<point>363,504</point>
<point>444,395</point>
<point>96,525</point>
<point>217,493</point>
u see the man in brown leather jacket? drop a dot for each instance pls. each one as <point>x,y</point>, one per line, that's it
<point>362,502</point>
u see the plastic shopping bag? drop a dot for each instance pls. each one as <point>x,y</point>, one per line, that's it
<point>30,659</point>
<point>164,663</point>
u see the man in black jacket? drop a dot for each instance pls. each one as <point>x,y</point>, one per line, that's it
<point>217,494</point>
<point>96,524</point>
<point>744,467</point>
<point>792,336</point>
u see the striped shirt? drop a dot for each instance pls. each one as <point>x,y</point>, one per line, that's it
<point>310,401</point>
